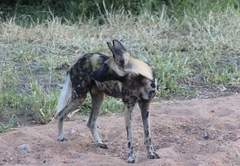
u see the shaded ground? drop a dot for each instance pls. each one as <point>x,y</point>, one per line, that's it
<point>191,132</point>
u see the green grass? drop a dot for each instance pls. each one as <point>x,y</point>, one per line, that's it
<point>110,105</point>
<point>195,55</point>
<point>8,125</point>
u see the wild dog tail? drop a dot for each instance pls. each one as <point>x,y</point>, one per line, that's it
<point>64,96</point>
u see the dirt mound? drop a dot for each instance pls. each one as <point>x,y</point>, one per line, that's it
<point>192,132</point>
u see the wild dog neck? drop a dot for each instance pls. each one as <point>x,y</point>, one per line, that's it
<point>135,68</point>
<point>139,68</point>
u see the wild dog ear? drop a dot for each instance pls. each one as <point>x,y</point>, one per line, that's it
<point>110,47</point>
<point>120,54</point>
<point>118,45</point>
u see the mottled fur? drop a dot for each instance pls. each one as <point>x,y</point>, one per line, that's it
<point>119,76</point>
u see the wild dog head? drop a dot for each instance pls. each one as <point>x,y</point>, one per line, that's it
<point>121,65</point>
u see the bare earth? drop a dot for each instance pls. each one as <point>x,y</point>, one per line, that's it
<point>186,133</point>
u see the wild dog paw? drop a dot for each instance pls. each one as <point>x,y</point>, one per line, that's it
<point>131,159</point>
<point>62,139</point>
<point>153,156</point>
<point>101,145</point>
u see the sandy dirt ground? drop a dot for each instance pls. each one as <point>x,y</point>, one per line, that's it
<point>201,132</point>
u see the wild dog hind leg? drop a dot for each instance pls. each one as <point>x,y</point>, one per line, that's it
<point>72,105</point>
<point>144,106</point>
<point>97,99</point>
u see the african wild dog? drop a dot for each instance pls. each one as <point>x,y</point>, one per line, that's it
<point>119,76</point>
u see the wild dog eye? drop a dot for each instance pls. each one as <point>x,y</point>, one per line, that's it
<point>105,66</point>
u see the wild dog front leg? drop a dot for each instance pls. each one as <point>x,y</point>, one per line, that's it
<point>128,118</point>
<point>144,106</point>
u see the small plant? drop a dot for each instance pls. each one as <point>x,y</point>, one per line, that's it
<point>111,105</point>
<point>8,125</point>
<point>42,102</point>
